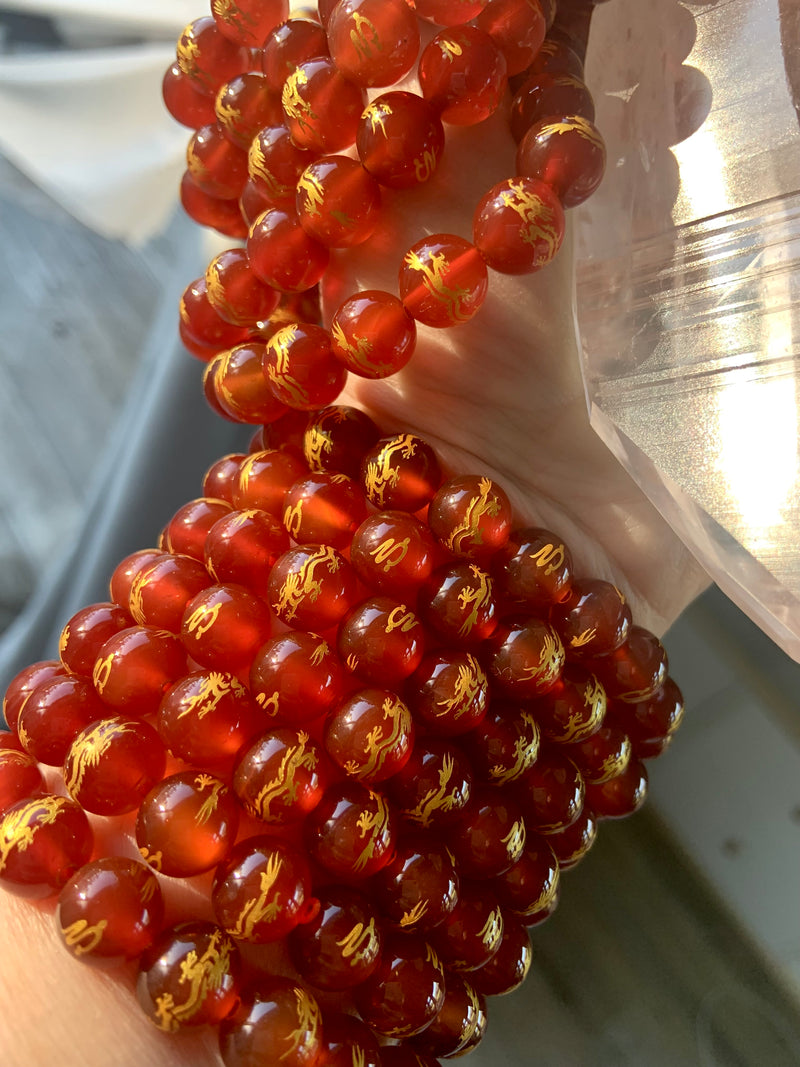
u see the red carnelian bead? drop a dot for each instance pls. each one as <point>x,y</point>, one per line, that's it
<point>393,552</point>
<point>281,252</point>
<point>602,756</point>
<point>621,795</point>
<point>406,992</point>
<point>187,529</point>
<point>207,58</point>
<point>217,167</point>
<point>458,603</point>
<point>534,568</point>
<point>275,163</point>
<point>85,632</point>
<point>489,835</point>
<point>247,22</point>
<point>241,389</point>
<point>530,886</point>
<point>351,832</point>
<point>462,74</point>
<point>161,591</point>
<point>573,709</point>
<point>56,711</point>
<point>337,202</point>
<point>245,105</point>
<point>594,620</point>
<point>341,946</point>
<point>504,744</point>
<point>419,888</point>
<point>235,293</point>
<point>206,354</point>
<point>201,322</point>
<point>281,777</point>
<point>182,100</point>
<point>312,587</point>
<point>550,792</point>
<point>650,723</point>
<point>474,930</point>
<point>401,472</point>
<point>347,1041</point>
<point>136,667</point>
<point>370,735</point>
<point>434,786</point>
<point>290,44</point>
<point>296,677</point>
<point>321,106</point>
<point>189,977</point>
<point>109,911</point>
<point>373,42</point>
<point>448,692</point>
<point>24,682</point>
<point>636,670</point>
<point>509,966</point>
<point>546,97</point>
<point>525,656</point>
<point>443,280</point>
<point>517,27</point>
<point>10,742</point>
<point>372,334</point>
<point>448,12</point>
<point>381,640</point>
<point>43,842</point>
<point>456,1020</point>
<point>20,777</point>
<point>518,226</point>
<point>568,154</point>
<point>276,1022</point>
<point>112,764</point>
<point>336,439</point>
<point>241,547</point>
<point>470,516</point>
<point>224,626</point>
<point>264,478</point>
<point>221,477</point>
<point>225,216</point>
<point>571,844</point>
<point>403,1056</point>
<point>124,573</point>
<point>400,140</point>
<point>324,508</point>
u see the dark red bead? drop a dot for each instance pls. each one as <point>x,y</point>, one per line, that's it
<point>573,709</point>
<point>504,744</point>
<point>448,692</point>
<point>293,42</point>
<point>550,792</point>
<point>489,835</point>
<point>548,96</point>
<point>20,778</point>
<point>652,721</point>
<point>312,587</point>
<point>470,516</point>
<point>296,677</point>
<point>462,75</point>
<point>373,335</point>
<point>401,472</point>
<point>370,735</point>
<point>419,888</point>
<point>276,1022</point>
<point>348,1041</point>
<point>594,620</point>
<point>636,670</point>
<point>525,657</point>
<point>456,1021</point>
<point>530,886</point>
<point>43,842</point>
<point>341,946</point>
<point>224,626</point>
<point>242,546</point>
<point>336,439</point>
<point>381,640</point>
<point>474,930</point>
<point>571,844</point>
<point>604,754</point>
<point>434,786</point>
<point>112,763</point>
<point>54,714</point>
<point>509,966</point>
<point>620,796</point>
<point>274,163</point>
<point>406,992</point>
<point>568,154</point>
<point>86,632</point>
<point>400,140</point>
<point>281,777</point>
<point>135,668</point>
<point>351,832</point>
<point>457,601</point>
<point>393,553</point>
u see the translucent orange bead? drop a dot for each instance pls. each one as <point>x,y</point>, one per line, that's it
<point>184,103</point>
<point>216,165</point>
<point>373,42</point>
<point>187,529</point>
<point>448,692</point>
<point>86,632</point>
<point>406,992</point>
<point>222,476</point>
<point>457,602</point>
<point>443,280</point>
<point>247,22</point>
<point>312,587</point>
<point>337,438</point>
<point>547,97</point>
<point>54,714</point>
<point>235,293</point>
<point>573,709</point>
<point>282,254</point>
<point>337,201</point>
<point>517,27</point>
<point>351,832</point>
<point>448,12</point>
<point>393,553</point>
<point>281,777</point>
<point>462,74</point>
<point>264,478</point>
<point>20,777</point>
<point>470,516</point>
<point>24,682</point>
<point>419,888</point>
<point>435,785</point>
<point>341,946</point>
<point>202,324</point>
<point>534,568</point>
<point>43,842</point>
<point>112,763</point>
<point>275,163</point>
<point>401,472</point>
<point>594,620</point>
<point>122,578</point>
<point>241,389</point>
<point>296,677</point>
<point>529,886</point>
<point>518,226</point>
<point>324,508</point>
<point>372,334</point>
<point>277,1022</point>
<point>321,106</point>
<point>245,105</point>
<point>225,216</point>
<point>241,548</point>
<point>301,368</point>
<point>224,626</point>
<point>162,589</point>
<point>290,44</point>
<point>568,154</point>
<point>473,932</point>
<point>381,640</point>
<point>370,735</point>
<point>400,140</point>
<point>207,58</point>
<point>456,1020</point>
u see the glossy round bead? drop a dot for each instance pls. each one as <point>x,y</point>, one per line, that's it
<point>109,911</point>
<point>470,516</point>
<point>274,163</point>
<point>221,477</point>
<point>448,13</point>
<point>324,507</point>
<point>235,293</point>
<point>189,977</point>
<point>85,633</point>
<point>282,254</point>
<point>574,708</point>
<point>135,668</point>
<point>448,692</point>
<point>206,717</point>
<point>555,56</point>
<point>456,1020</point>
<point>489,835</point>
<point>281,777</point>
<point>393,553</point>
<point>201,325</point>
<point>636,670</point>
<point>277,1022</point>
<point>207,58</point>
<point>567,154</point>
<point>472,934</point>
<point>621,795</point>
<point>405,1056</point>
<point>530,886</point>
<point>184,103</point>
<point>434,786</point>
<point>54,714</point>
<point>571,844</point>
<point>533,568</point>
<point>373,42</point>
<point>509,966</point>
<point>652,721</point>
<point>20,777</point>
<point>406,992</point>
<point>186,531</point>
<point>351,832</point>
<point>547,96</point>
<point>341,946</point>
<point>400,140</point>
<point>224,626</point>
<point>338,202</point>
<point>594,620</point>
<point>301,367</point>
<point>321,106</point>
<point>162,589</point>
<point>10,742</point>
<point>401,472</point>
<point>442,280</point>
<point>24,682</point>
<point>290,44</point>
<point>312,587</point>
<point>372,334</point>
<point>462,74</point>
<point>43,842</point>
<point>242,546</point>
<point>348,1041</point>
<point>245,105</point>
<point>419,888</point>
<point>525,656</point>
<point>264,478</point>
<point>336,439</point>
<point>370,735</point>
<point>296,677</point>
<point>112,764</point>
<point>224,216</point>
<point>381,641</point>
<point>287,433</point>
<point>122,577</point>
<point>550,792</point>
<point>504,744</point>
<point>603,755</point>
<point>457,602</point>
<point>216,166</point>
<point>517,27</point>
<point>262,890</point>
<point>518,225</point>
<point>247,22</point>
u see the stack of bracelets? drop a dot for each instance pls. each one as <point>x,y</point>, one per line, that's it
<point>377,716</point>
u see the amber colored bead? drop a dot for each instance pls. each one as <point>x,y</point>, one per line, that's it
<point>373,42</point>
<point>456,1021</point>
<point>312,587</point>
<point>393,553</point>
<point>530,886</point>
<point>401,472</point>
<point>216,165</point>
<point>225,216</point>
<point>275,163</point>
<point>533,568</point>
<point>161,590</point>
<point>381,640</point>
<point>281,777</point>
<point>547,97</point>
<point>406,992</point>
<point>448,12</point>
<point>207,58</point>
<point>462,74</point>
<point>324,507</point>
<point>517,27</point>
<point>86,631</point>
<point>182,100</point>
<point>264,478</point>
<point>247,22</point>
<point>400,140</point>
<point>594,620</point>
<point>470,516</point>
<point>336,439</point>
<point>474,930</point>
<point>434,786</point>
<point>277,1022</point>
<point>242,546</point>
<point>524,656</point>
<point>603,755</point>
<point>571,844</point>
<point>112,763</point>
<point>187,529</point>
<point>200,324</point>
<point>341,946</point>
<point>24,682</point>
<point>43,842</point>
<point>620,796</point>
<point>20,777</point>
<point>568,154</point>
<point>109,911</point>
<point>550,792</point>
<point>125,572</point>
<point>235,293</point>
<point>282,254</point>
<point>405,1056</point>
<point>224,626</point>
<point>442,280</point>
<point>574,708</point>
<point>321,106</point>
<point>245,105</point>
<point>296,677</point>
<point>457,602</point>
<point>504,744</point>
<point>348,1041</point>
<point>370,735</point>
<point>448,692</point>
<point>56,711</point>
<point>509,966</point>
<point>189,977</point>
<point>290,44</point>
<point>518,226</point>
<point>636,670</point>
<point>489,835</point>
<point>221,477</point>
<point>373,335</point>
<point>650,723</point>
<point>351,832</point>
<point>419,888</point>
<point>301,368</point>
<point>338,202</point>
